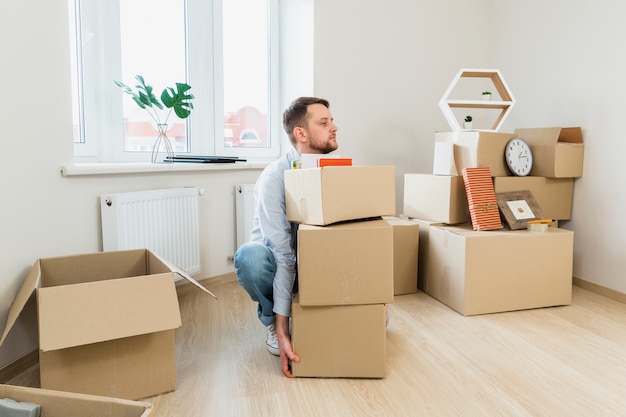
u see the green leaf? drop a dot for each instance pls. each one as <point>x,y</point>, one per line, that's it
<point>146,95</point>
<point>178,99</point>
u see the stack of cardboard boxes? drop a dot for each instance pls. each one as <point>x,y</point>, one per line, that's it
<point>349,259</point>
<point>476,272</point>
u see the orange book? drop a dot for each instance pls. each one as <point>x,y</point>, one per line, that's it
<point>325,162</point>
<point>481,198</point>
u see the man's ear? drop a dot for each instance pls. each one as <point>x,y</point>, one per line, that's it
<point>300,134</point>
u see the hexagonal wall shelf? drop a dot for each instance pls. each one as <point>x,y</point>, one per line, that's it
<point>505,104</point>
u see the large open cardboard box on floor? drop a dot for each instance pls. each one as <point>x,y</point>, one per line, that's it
<point>339,341</point>
<point>478,272</point>
<point>106,322</point>
<point>557,151</point>
<point>67,404</point>
<point>321,196</point>
<point>346,263</point>
<point>473,149</point>
<point>554,195</point>
<point>439,198</point>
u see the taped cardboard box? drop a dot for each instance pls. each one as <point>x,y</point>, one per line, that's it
<point>322,196</point>
<point>479,272</point>
<point>106,322</point>
<point>339,341</point>
<point>557,151</point>
<point>472,149</point>
<point>346,263</point>
<point>439,198</point>
<point>67,404</point>
<point>405,255</point>
<point>554,195</point>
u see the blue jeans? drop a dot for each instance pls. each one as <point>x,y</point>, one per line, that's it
<point>255,267</point>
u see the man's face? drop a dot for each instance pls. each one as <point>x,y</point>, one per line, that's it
<point>321,131</point>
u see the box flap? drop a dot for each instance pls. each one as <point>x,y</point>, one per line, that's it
<point>154,260</point>
<point>79,314</point>
<point>550,135</point>
<point>32,282</point>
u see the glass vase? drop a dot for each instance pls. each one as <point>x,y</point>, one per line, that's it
<point>162,151</point>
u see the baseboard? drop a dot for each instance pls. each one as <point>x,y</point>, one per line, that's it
<point>599,289</point>
<point>19,366</point>
<point>188,287</point>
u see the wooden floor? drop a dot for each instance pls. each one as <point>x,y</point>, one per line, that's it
<point>560,361</point>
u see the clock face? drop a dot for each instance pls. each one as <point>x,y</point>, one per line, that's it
<point>518,157</point>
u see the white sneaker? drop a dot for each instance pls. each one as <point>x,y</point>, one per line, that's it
<point>272,340</point>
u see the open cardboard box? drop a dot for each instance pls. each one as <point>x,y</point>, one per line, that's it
<point>322,196</point>
<point>66,404</point>
<point>557,151</point>
<point>106,322</point>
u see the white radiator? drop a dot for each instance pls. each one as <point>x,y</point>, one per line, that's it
<point>244,206</point>
<point>164,221</point>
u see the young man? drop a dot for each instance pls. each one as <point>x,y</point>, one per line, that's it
<point>266,265</point>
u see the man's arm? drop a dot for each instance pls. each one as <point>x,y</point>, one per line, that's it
<point>284,345</point>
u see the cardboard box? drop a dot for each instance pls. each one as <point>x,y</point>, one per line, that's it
<point>405,255</point>
<point>554,195</point>
<point>322,196</point>
<point>473,149</point>
<point>346,263</point>
<point>478,272</point>
<point>439,198</point>
<point>106,322</point>
<point>557,151</point>
<point>66,404</point>
<point>424,229</point>
<point>339,341</point>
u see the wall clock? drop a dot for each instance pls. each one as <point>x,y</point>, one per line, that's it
<point>518,157</point>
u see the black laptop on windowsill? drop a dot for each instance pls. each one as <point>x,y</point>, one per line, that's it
<point>204,159</point>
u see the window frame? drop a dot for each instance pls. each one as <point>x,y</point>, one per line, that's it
<point>103,128</point>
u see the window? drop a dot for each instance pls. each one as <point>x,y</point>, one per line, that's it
<point>226,50</point>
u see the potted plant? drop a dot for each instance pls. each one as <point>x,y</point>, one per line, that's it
<point>467,123</point>
<point>486,95</point>
<point>177,99</point>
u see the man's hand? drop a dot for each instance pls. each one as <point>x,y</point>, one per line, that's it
<point>284,345</point>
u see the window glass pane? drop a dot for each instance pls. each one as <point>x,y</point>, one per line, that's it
<point>153,46</point>
<point>245,72</point>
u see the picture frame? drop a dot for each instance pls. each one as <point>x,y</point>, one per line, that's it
<point>518,207</point>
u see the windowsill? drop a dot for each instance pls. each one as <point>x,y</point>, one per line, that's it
<point>78,169</point>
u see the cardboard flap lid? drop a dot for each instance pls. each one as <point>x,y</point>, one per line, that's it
<point>80,314</point>
<point>32,282</point>
<point>551,135</point>
<point>178,271</point>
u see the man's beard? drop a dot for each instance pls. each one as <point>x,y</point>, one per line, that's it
<point>324,148</point>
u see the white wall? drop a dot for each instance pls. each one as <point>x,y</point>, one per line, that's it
<point>564,60</point>
<point>383,66</point>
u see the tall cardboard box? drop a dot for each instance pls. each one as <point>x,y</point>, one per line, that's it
<point>106,322</point>
<point>439,198</point>
<point>424,230</point>
<point>405,255</point>
<point>553,195</point>
<point>478,272</point>
<point>557,151</point>
<point>322,196</point>
<point>473,149</point>
<point>339,341</point>
<point>346,263</point>
<point>67,404</point>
